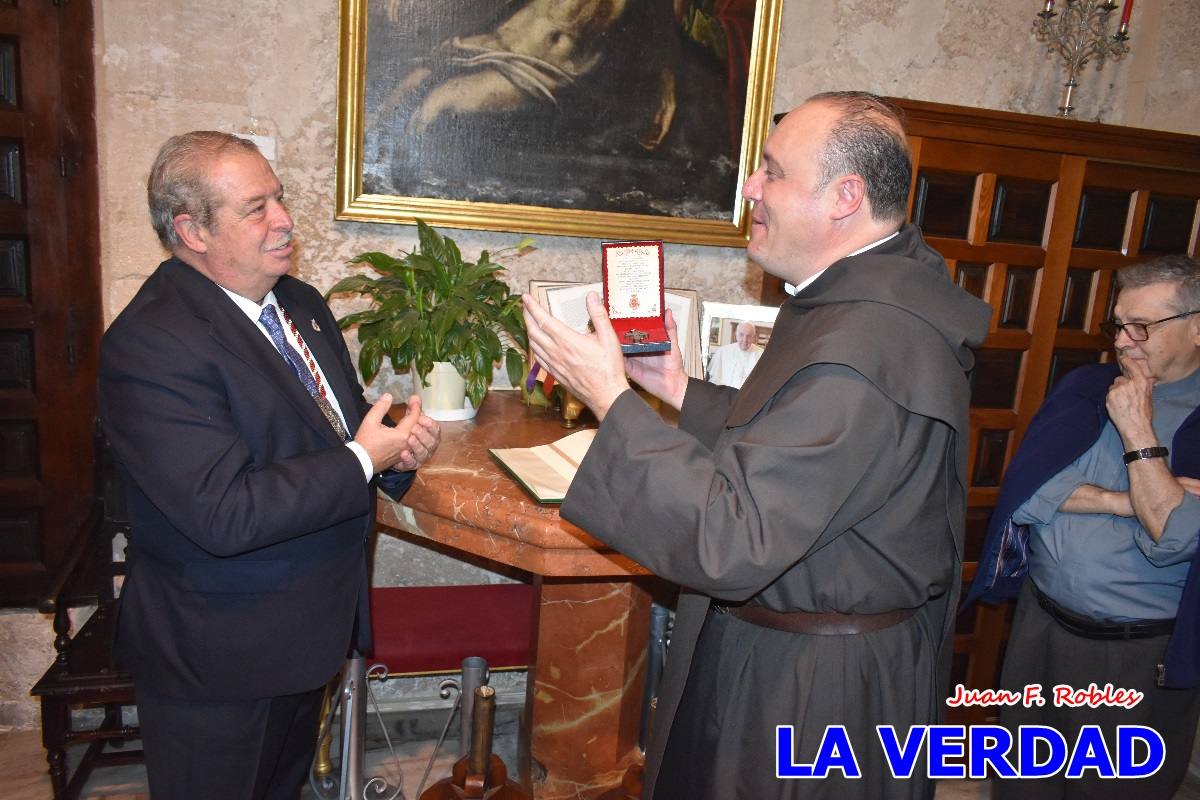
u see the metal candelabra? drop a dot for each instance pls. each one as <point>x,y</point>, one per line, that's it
<point>1079,35</point>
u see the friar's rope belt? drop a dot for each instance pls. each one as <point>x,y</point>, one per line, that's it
<point>830,624</point>
<point>1092,629</point>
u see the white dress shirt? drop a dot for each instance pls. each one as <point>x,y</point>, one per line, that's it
<point>254,310</point>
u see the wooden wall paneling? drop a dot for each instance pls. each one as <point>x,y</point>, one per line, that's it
<point>1137,223</point>
<point>915,144</point>
<point>1103,219</point>
<point>1079,296</point>
<point>1060,233</point>
<point>50,309</point>
<point>971,276</point>
<point>981,208</point>
<point>1044,134</point>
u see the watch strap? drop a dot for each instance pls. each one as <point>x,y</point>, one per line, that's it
<point>1146,452</point>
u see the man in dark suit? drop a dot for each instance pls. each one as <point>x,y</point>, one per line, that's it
<point>229,397</point>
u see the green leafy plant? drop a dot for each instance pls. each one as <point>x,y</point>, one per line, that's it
<point>432,305</point>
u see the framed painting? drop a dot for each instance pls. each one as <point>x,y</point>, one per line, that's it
<point>595,118</point>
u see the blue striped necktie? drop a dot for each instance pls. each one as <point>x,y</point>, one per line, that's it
<point>270,321</point>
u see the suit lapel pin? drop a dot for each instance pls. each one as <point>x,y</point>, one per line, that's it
<point>316,327</point>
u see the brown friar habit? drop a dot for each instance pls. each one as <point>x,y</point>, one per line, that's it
<point>833,481</point>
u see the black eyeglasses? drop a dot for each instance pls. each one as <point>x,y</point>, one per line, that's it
<point>1138,331</point>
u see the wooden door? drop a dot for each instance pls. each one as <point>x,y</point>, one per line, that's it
<point>50,313</point>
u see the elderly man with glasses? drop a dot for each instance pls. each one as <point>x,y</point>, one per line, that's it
<point>1099,508</point>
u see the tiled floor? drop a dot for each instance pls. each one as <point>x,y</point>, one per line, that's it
<point>23,774</point>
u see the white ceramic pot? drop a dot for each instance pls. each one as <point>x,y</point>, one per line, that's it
<point>445,398</point>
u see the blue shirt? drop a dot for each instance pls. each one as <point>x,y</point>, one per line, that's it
<point>1106,566</point>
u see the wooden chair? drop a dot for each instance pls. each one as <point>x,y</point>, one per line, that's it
<point>83,675</point>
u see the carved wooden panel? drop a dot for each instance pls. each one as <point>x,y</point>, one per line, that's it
<point>18,449</point>
<point>989,457</point>
<point>1103,214</point>
<point>1111,301</point>
<point>1162,215</point>
<point>8,73</point>
<point>11,172</point>
<point>14,272</point>
<point>1063,361</point>
<point>16,360</point>
<point>942,206</point>
<point>1170,224</point>
<point>1077,298</point>
<point>1019,210</point>
<point>1017,307</point>
<point>972,276</point>
<point>20,536</point>
<point>994,384</point>
<point>977,521</point>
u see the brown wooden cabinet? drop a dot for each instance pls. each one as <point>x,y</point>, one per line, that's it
<point>1034,214</point>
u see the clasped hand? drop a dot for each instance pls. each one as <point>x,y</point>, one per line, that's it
<point>404,447</point>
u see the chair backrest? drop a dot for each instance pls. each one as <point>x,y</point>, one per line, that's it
<point>107,556</point>
<point>92,571</point>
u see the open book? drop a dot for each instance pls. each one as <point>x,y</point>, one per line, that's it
<point>567,301</point>
<point>546,471</point>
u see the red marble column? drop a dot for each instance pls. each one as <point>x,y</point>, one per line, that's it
<point>585,690</point>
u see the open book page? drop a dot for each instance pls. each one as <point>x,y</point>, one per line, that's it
<point>545,471</point>
<point>683,307</point>
<point>569,304</point>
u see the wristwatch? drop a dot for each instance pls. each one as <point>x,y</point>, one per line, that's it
<point>1146,452</point>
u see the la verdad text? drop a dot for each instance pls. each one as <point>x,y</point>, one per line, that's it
<point>979,751</point>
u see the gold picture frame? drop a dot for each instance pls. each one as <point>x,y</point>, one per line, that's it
<point>372,185</point>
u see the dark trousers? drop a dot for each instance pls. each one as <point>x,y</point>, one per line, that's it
<point>228,750</point>
<point>1042,651</point>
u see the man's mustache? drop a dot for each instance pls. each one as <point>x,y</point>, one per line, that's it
<point>284,241</point>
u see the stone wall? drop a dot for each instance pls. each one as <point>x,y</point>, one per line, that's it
<point>270,66</point>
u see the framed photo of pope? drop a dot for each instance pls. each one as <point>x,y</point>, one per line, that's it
<point>732,340</point>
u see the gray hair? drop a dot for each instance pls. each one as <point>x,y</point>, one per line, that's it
<point>868,140</point>
<point>1179,270</point>
<point>179,181</point>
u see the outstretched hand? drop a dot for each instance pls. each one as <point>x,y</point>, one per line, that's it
<point>590,365</point>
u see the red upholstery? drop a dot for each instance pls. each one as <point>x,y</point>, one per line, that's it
<point>433,628</point>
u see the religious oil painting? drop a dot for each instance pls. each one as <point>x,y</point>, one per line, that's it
<point>603,118</point>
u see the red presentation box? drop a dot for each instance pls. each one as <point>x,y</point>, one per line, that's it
<point>633,295</point>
